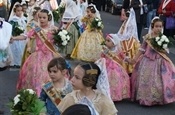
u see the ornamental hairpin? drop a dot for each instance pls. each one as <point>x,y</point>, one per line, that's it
<point>91,71</point>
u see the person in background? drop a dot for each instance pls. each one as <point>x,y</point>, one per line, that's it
<point>139,8</point>
<point>13,3</point>
<point>167,9</point>
<point>153,6</point>
<point>125,8</point>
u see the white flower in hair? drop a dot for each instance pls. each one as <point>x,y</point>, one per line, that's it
<point>64,43</point>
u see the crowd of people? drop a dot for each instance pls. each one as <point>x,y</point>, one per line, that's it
<point>115,67</point>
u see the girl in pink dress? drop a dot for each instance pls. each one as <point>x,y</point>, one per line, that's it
<point>119,80</point>
<point>33,73</point>
<point>153,78</point>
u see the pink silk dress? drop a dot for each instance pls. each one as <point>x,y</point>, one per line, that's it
<point>153,78</point>
<point>119,80</point>
<point>33,73</point>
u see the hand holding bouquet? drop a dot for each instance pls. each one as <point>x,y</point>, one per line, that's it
<point>161,43</point>
<point>97,24</point>
<point>61,38</point>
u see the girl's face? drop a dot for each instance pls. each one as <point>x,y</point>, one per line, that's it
<point>31,2</point>
<point>109,42</point>
<point>77,78</point>
<point>89,13</point>
<point>24,8</point>
<point>157,27</point>
<point>56,74</point>
<point>18,11</point>
<point>43,19</point>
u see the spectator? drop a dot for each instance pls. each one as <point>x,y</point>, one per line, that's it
<point>125,8</point>
<point>166,9</point>
<point>139,8</point>
<point>153,6</point>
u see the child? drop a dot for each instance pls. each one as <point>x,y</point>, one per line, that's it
<point>34,70</point>
<point>85,80</point>
<point>129,38</point>
<point>5,35</point>
<point>24,9</point>
<point>17,47</point>
<point>70,19</point>
<point>53,92</point>
<point>88,45</point>
<point>153,78</point>
<point>119,80</point>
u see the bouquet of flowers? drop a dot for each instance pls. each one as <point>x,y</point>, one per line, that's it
<point>161,43</point>
<point>97,24</point>
<point>26,102</point>
<point>57,14</point>
<point>61,38</point>
<point>16,29</point>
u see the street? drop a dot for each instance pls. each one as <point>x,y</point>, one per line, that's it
<point>112,23</point>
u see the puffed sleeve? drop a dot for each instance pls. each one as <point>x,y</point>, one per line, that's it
<point>67,101</point>
<point>108,107</point>
<point>31,33</point>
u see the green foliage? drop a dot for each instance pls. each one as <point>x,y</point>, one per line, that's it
<point>28,104</point>
<point>97,24</point>
<point>16,29</point>
<point>57,14</point>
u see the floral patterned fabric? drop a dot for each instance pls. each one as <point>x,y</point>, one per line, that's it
<point>153,78</point>
<point>33,73</point>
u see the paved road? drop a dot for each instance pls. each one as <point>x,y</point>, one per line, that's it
<point>8,79</point>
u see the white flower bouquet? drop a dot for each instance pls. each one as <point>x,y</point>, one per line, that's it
<point>97,24</point>
<point>16,30</point>
<point>61,38</point>
<point>26,102</point>
<point>161,43</point>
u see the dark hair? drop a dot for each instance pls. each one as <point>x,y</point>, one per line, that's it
<point>24,4</point>
<point>59,62</point>
<point>47,12</point>
<point>77,109</point>
<point>92,9</point>
<point>154,21</point>
<point>17,6</point>
<point>36,9</point>
<point>92,71</point>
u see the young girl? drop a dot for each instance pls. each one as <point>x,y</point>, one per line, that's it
<point>88,45</point>
<point>17,47</point>
<point>119,80</point>
<point>34,70</point>
<point>5,35</point>
<point>70,19</point>
<point>85,79</point>
<point>154,73</point>
<point>53,92</point>
<point>129,38</point>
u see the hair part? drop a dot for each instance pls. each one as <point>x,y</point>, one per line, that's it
<point>59,62</point>
<point>154,21</point>
<point>92,72</point>
<point>48,14</point>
